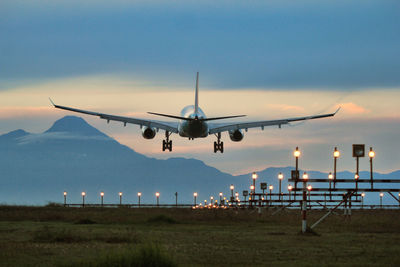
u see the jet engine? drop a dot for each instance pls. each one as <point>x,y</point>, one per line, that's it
<point>148,132</point>
<point>236,135</point>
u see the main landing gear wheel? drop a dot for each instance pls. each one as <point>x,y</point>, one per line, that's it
<point>167,144</point>
<point>218,146</point>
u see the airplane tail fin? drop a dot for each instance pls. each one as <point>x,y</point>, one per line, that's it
<point>196,97</point>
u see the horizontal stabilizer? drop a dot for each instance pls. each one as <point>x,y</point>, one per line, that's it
<point>223,118</point>
<point>192,119</point>
<point>170,116</point>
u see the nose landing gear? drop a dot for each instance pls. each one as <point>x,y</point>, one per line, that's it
<point>167,144</point>
<point>218,146</point>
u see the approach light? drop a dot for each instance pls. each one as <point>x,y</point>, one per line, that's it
<point>356,176</point>
<point>309,188</point>
<point>336,153</point>
<point>290,187</point>
<point>139,194</point>
<point>305,176</point>
<point>280,176</point>
<point>254,176</point>
<point>232,187</point>
<point>371,153</point>
<point>296,153</point>
<point>65,193</point>
<point>330,176</point>
<point>362,194</point>
<point>102,194</point>
<point>120,194</point>
<point>220,194</point>
<point>271,187</point>
<point>252,187</point>
<point>83,194</point>
<point>195,194</point>
<point>157,194</point>
<point>381,194</point>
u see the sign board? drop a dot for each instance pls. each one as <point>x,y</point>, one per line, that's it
<point>358,151</point>
<point>295,175</point>
<point>245,193</point>
<point>263,186</point>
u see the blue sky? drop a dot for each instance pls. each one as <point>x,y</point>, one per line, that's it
<point>312,44</point>
<point>268,59</point>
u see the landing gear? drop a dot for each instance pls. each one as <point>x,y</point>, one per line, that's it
<point>167,144</point>
<point>218,146</point>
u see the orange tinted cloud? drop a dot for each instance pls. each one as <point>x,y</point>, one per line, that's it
<point>285,107</point>
<point>354,109</point>
<point>25,112</point>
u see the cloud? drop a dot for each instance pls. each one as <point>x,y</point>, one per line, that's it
<point>315,44</point>
<point>24,112</point>
<point>353,109</point>
<point>284,107</point>
<point>35,138</point>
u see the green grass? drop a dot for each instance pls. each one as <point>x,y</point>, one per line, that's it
<point>58,236</point>
<point>148,255</point>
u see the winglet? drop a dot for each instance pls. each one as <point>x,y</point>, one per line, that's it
<point>52,102</point>
<point>337,111</point>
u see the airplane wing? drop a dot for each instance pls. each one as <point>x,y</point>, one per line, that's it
<point>167,126</point>
<point>218,128</point>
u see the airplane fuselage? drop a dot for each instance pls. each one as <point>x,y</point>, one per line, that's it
<point>195,128</point>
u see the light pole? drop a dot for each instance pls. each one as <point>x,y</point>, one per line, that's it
<point>139,194</point>
<point>330,177</point>
<point>158,198</point>
<point>296,154</point>
<point>309,188</point>
<point>336,155</point>
<point>254,176</point>
<point>271,187</point>
<point>371,155</point>
<point>304,204</point>
<point>101,198</point>
<point>83,199</point>
<point>290,187</point>
<point>65,198</point>
<point>245,194</point>
<point>220,198</point>
<point>280,177</point>
<point>212,200</point>
<point>381,196</point>
<point>120,198</point>
<point>195,198</point>
<point>252,197</point>
<point>356,176</point>
<point>232,188</point>
<point>362,200</point>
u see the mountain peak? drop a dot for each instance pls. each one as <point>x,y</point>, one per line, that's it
<point>76,125</point>
<point>14,134</point>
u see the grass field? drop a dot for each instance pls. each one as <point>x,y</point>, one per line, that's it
<point>58,236</point>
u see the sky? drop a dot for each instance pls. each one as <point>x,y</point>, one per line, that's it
<point>265,59</point>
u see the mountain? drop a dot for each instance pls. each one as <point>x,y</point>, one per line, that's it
<point>73,156</point>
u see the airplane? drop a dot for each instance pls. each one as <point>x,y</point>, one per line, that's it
<point>193,123</point>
